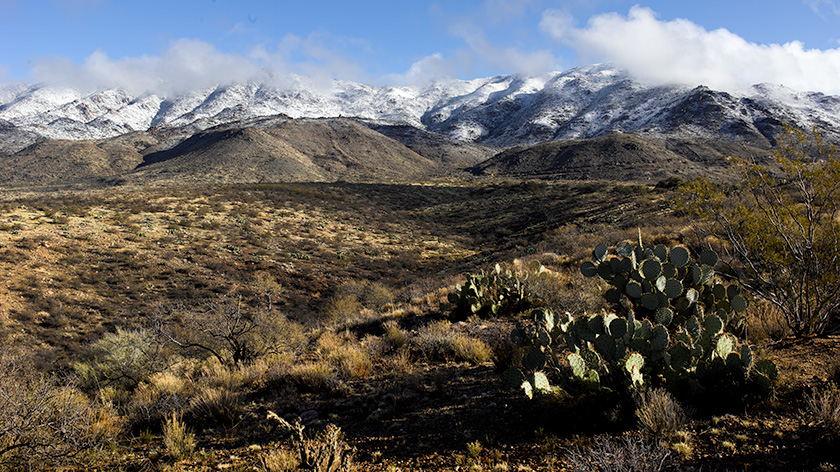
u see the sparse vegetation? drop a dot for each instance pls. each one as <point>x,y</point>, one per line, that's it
<point>187,314</point>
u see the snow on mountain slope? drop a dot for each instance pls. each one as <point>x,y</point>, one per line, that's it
<point>501,111</point>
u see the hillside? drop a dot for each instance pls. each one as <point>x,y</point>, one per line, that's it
<point>54,162</point>
<point>617,157</point>
<point>437,147</point>
<point>268,150</point>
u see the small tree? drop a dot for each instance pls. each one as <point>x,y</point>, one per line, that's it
<point>227,330</point>
<point>779,229</point>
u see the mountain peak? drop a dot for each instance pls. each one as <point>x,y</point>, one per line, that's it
<point>503,111</point>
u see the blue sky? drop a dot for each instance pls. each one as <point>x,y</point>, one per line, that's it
<point>173,45</point>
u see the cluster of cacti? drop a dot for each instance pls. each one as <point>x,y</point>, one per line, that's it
<point>702,354</point>
<point>665,285</point>
<point>498,293</point>
<point>678,342</point>
<point>603,352</point>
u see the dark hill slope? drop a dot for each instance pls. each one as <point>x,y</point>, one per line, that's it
<point>285,151</point>
<point>63,161</point>
<point>438,147</point>
<point>619,157</point>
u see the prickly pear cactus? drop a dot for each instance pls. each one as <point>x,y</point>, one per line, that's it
<point>598,355</point>
<point>500,292</point>
<point>671,334</point>
<point>664,285</point>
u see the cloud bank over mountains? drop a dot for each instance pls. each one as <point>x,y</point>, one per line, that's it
<point>683,52</point>
<point>677,51</point>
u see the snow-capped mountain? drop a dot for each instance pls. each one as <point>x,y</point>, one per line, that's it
<point>500,111</point>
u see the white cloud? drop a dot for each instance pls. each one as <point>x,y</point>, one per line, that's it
<point>189,64</point>
<point>557,23</point>
<point>684,52</point>
<point>821,6</point>
<point>186,64</point>
<point>423,71</point>
<point>482,53</point>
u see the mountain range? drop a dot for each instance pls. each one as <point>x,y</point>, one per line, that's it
<point>299,130</point>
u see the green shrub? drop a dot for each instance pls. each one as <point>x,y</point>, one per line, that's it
<point>122,359</point>
<point>778,227</point>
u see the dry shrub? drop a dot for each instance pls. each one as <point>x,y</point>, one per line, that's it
<point>45,424</point>
<point>824,407</point>
<point>630,454</point>
<point>230,329</point>
<point>326,451</point>
<point>312,376</point>
<point>659,414</point>
<point>212,406</point>
<point>399,362</point>
<point>345,355</point>
<point>439,341</point>
<point>179,441</point>
<point>341,308</point>
<point>765,322</point>
<point>377,297</point>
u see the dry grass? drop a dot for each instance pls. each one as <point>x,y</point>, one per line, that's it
<point>440,341</point>
<point>177,438</point>
<point>312,376</point>
<point>215,406</point>
<point>345,354</point>
<point>659,414</point>
<point>395,337</point>
<point>280,461</point>
<point>823,406</point>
